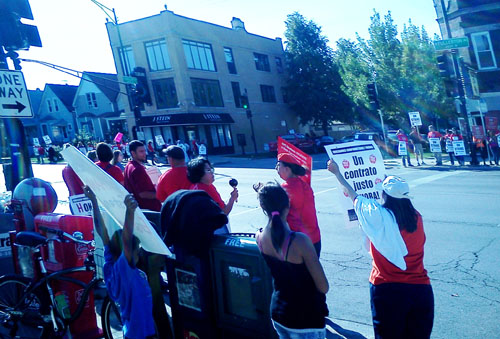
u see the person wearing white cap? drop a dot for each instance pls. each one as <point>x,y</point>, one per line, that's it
<point>401,296</point>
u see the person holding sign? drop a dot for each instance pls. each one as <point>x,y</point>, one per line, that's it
<point>493,145</point>
<point>302,216</point>
<point>126,284</point>
<point>403,150</point>
<point>434,141</point>
<point>298,304</point>
<point>417,141</point>
<point>402,300</point>
<point>458,146</point>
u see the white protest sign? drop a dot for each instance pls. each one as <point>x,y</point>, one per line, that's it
<point>415,118</point>
<point>362,165</point>
<point>36,142</point>
<point>47,140</point>
<point>80,205</point>
<point>202,149</point>
<point>459,147</point>
<point>111,196</point>
<point>402,150</point>
<point>159,140</point>
<point>5,248</point>
<point>435,145</point>
<point>498,139</point>
<point>154,174</point>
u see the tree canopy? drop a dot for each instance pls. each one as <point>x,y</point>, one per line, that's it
<point>403,67</point>
<point>313,79</point>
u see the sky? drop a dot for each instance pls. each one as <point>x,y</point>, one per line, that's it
<point>73,32</point>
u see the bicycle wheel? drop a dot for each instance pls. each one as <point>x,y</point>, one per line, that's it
<point>111,320</point>
<point>26,320</point>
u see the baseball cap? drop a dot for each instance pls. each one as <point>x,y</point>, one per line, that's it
<point>395,186</point>
<point>175,152</point>
<point>287,157</point>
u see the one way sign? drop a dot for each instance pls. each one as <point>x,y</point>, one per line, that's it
<point>14,99</point>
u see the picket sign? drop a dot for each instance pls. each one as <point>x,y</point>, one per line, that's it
<point>459,147</point>
<point>362,166</point>
<point>80,205</point>
<point>402,150</point>
<point>435,145</point>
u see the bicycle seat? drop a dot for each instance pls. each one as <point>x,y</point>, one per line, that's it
<point>31,239</point>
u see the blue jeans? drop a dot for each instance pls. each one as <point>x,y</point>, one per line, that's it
<point>307,333</point>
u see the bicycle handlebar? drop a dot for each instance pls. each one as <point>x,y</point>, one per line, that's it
<point>62,234</point>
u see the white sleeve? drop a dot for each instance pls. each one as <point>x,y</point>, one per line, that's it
<point>380,226</point>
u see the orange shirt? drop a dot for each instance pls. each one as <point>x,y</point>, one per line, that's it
<point>302,216</point>
<point>171,181</point>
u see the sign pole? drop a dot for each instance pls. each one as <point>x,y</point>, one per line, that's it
<point>20,166</point>
<point>484,129</point>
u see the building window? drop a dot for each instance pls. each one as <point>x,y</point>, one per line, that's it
<point>267,93</point>
<point>157,53</point>
<point>56,106</point>
<point>215,138</point>
<point>91,100</point>
<point>207,92</point>
<point>231,66</point>
<point>221,135</point>
<point>165,93</point>
<point>236,93</point>
<point>228,135</point>
<point>483,50</point>
<point>127,59</point>
<point>49,105</point>
<point>199,55</point>
<point>261,62</point>
<point>279,65</point>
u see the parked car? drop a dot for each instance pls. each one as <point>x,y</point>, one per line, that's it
<point>347,138</point>
<point>322,141</point>
<point>298,140</point>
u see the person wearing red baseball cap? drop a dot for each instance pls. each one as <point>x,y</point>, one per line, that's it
<point>401,296</point>
<point>302,216</point>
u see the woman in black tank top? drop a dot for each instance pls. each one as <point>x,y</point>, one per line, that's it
<point>298,304</point>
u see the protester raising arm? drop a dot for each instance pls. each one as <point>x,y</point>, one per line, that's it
<point>334,168</point>
<point>128,228</point>
<point>99,224</point>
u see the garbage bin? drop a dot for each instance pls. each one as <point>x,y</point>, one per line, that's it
<point>242,287</point>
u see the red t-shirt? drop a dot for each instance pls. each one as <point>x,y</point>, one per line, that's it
<point>137,181</point>
<point>402,137</point>
<point>112,170</point>
<point>212,192</point>
<point>171,181</point>
<point>385,272</point>
<point>302,216</point>
<point>73,181</point>
<point>434,134</point>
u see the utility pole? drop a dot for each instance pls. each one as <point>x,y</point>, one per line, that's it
<point>456,69</point>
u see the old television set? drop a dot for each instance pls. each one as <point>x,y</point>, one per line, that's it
<point>242,288</point>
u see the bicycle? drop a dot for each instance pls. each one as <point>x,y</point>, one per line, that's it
<point>28,307</point>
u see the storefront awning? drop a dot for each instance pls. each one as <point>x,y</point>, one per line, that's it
<point>186,119</point>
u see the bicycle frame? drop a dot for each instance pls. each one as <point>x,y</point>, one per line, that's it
<point>44,283</point>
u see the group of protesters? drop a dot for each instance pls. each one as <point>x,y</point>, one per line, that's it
<point>400,292</point>
<point>480,146</point>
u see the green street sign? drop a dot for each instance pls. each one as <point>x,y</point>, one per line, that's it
<point>441,45</point>
<point>130,80</point>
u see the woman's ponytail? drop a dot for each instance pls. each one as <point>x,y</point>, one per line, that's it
<point>274,201</point>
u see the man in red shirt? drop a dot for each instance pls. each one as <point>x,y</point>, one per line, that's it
<point>137,180</point>
<point>175,178</point>
<point>105,155</point>
<point>402,137</point>
<point>433,134</point>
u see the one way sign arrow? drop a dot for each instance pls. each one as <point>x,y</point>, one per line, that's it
<point>20,107</point>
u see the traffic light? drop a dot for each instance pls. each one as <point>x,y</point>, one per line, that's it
<point>372,95</point>
<point>442,62</point>
<point>141,93</point>
<point>15,35</point>
<point>244,101</point>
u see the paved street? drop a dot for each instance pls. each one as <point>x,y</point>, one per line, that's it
<point>460,207</point>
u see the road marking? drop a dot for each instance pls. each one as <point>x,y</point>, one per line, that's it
<point>244,212</point>
<point>426,180</point>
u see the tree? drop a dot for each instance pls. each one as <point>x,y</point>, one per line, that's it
<point>404,70</point>
<point>313,80</point>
